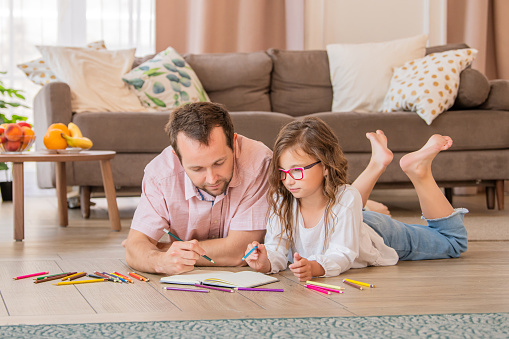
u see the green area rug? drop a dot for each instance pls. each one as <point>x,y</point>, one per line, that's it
<point>483,325</point>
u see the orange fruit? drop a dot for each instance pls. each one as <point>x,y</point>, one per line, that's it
<point>61,127</point>
<point>28,135</point>
<point>53,139</point>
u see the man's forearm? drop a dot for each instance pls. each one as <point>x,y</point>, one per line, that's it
<point>143,257</point>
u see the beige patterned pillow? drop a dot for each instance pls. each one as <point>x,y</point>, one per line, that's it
<point>39,72</point>
<point>428,85</point>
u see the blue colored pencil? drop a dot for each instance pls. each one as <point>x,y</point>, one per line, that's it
<point>248,253</point>
<point>178,239</point>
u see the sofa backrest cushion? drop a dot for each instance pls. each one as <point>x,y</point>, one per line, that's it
<point>240,81</point>
<point>300,82</point>
<point>443,48</point>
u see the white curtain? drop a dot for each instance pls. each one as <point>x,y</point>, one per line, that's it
<point>27,23</point>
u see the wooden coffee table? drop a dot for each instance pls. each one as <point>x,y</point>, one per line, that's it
<point>103,157</point>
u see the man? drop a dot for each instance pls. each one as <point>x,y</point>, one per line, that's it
<point>208,188</point>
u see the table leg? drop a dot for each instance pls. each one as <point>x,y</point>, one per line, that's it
<point>61,181</point>
<point>111,196</point>
<point>18,197</point>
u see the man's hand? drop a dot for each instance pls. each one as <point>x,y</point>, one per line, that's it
<point>258,259</point>
<point>180,257</point>
<point>305,269</point>
<point>147,255</point>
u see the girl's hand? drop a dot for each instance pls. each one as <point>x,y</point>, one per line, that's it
<point>258,259</point>
<point>305,269</point>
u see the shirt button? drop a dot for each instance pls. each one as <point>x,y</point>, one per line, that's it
<point>215,221</point>
<point>213,237</point>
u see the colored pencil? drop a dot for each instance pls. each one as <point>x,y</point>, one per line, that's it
<point>185,289</point>
<point>248,253</point>
<point>126,278</point>
<point>353,285</point>
<point>30,275</point>
<point>138,276</point>
<point>52,275</point>
<point>324,285</point>
<point>72,275</point>
<point>80,282</point>
<point>116,276</point>
<point>98,277</point>
<point>215,288</point>
<point>259,289</point>
<point>178,239</point>
<point>76,276</point>
<point>318,289</point>
<point>107,277</point>
<point>329,289</point>
<point>51,278</point>
<point>359,283</point>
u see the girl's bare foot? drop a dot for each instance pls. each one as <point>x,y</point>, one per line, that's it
<point>381,156</point>
<point>417,165</point>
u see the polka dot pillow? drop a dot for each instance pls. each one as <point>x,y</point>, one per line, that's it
<point>429,85</point>
<point>39,72</point>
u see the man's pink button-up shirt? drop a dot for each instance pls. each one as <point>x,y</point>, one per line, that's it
<point>169,200</point>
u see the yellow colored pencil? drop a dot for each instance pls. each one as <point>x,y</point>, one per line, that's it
<point>360,283</point>
<point>80,282</point>
<point>324,285</point>
<point>72,275</point>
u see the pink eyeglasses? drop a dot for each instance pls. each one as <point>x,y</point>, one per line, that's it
<point>297,173</point>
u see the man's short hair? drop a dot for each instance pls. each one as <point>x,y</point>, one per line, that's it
<point>196,121</point>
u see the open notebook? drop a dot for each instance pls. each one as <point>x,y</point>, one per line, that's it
<point>220,278</point>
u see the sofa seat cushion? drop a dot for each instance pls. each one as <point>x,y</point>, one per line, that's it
<point>240,81</point>
<point>406,132</point>
<point>128,132</point>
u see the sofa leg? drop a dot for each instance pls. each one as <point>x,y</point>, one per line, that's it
<point>500,194</point>
<point>490,197</point>
<point>85,201</point>
<point>448,194</point>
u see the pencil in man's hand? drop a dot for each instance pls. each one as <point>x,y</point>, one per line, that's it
<point>178,239</point>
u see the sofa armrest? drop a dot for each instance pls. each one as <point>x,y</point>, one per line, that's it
<point>498,99</point>
<point>52,104</point>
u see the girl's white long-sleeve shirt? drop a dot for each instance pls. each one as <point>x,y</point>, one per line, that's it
<point>352,243</point>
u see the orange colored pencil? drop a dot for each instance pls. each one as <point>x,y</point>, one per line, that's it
<point>137,276</point>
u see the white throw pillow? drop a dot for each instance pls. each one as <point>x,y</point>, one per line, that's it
<point>428,85</point>
<point>165,81</point>
<point>361,73</point>
<point>95,77</point>
<point>40,73</point>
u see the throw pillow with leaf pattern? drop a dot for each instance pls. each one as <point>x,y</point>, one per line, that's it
<point>165,81</point>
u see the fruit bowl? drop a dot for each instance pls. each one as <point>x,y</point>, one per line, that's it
<point>16,146</point>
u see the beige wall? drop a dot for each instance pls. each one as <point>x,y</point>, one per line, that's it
<point>358,21</point>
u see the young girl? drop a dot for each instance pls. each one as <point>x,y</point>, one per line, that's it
<point>316,218</point>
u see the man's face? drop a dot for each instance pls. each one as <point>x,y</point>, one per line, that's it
<point>210,168</point>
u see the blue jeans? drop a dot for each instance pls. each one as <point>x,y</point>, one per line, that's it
<point>440,239</point>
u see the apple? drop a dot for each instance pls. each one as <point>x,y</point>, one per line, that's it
<point>23,123</point>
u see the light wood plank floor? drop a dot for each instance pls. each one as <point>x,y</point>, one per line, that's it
<point>474,283</point>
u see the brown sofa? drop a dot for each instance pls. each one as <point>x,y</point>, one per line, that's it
<point>267,89</point>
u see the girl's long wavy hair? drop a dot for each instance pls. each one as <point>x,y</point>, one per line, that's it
<point>314,137</point>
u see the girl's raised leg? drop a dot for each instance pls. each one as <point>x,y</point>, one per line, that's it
<point>417,166</point>
<point>381,157</point>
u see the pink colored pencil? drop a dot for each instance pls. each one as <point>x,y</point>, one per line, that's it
<point>318,289</point>
<point>215,288</point>
<point>30,275</point>
<point>328,289</point>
